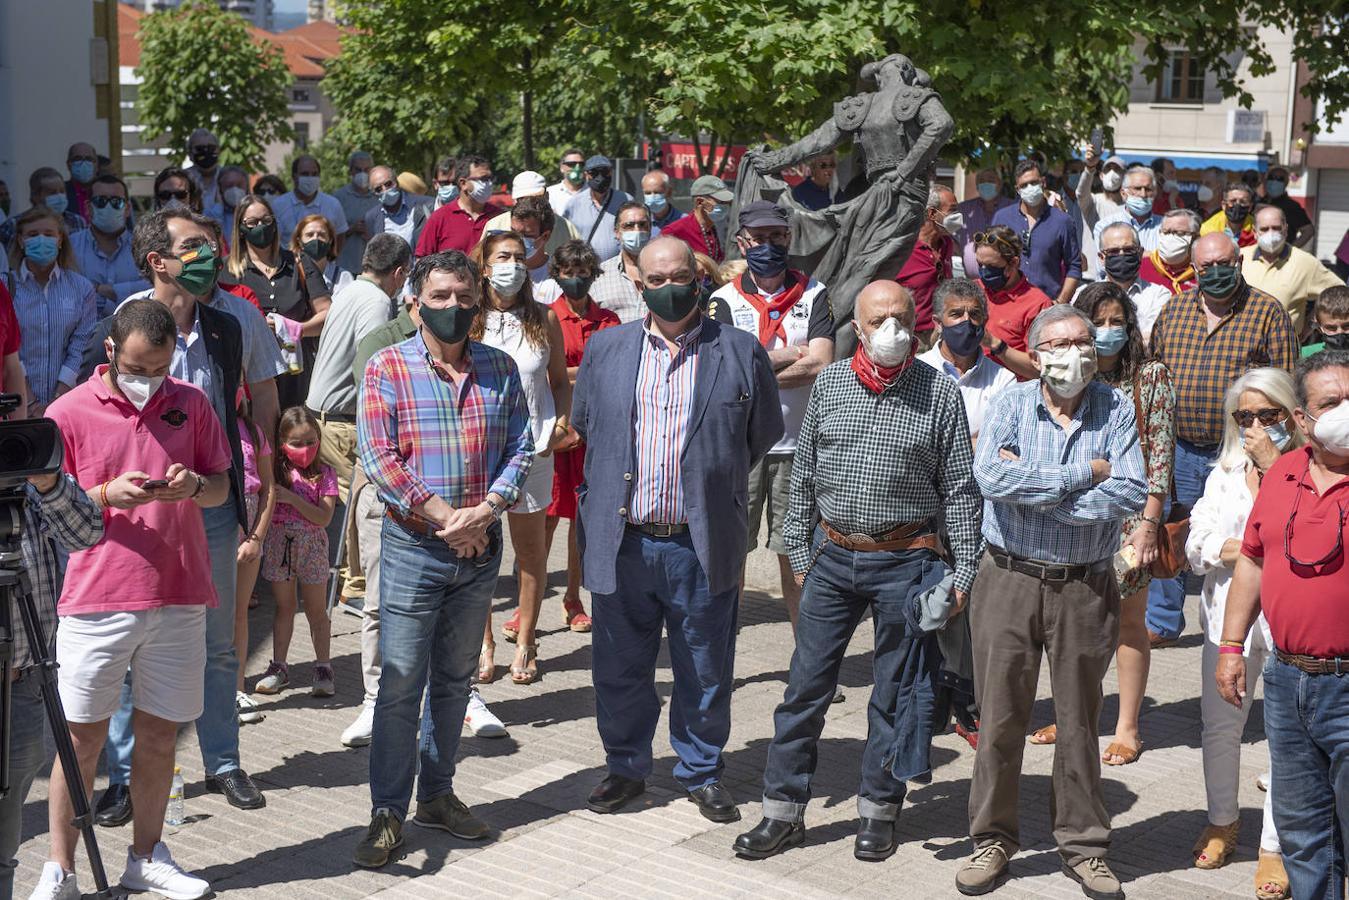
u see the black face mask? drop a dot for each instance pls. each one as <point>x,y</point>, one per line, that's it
<point>316,249</point>
<point>1337,341</point>
<point>450,325</point>
<point>766,260</point>
<point>1124,266</point>
<point>994,279</point>
<point>672,302</point>
<point>260,235</point>
<point>600,181</point>
<point>205,157</point>
<point>575,288</point>
<point>1237,213</point>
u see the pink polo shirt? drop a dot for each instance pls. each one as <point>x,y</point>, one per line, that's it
<point>152,555</point>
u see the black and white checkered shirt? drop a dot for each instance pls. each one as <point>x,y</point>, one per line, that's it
<point>868,463</point>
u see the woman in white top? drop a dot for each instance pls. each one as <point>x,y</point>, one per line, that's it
<point>510,320</point>
<point>1258,428</point>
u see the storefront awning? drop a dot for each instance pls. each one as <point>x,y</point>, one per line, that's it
<point>1231,162</point>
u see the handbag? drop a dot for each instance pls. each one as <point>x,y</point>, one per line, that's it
<point>1171,537</point>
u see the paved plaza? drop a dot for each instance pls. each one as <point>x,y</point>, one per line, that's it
<point>532,787</point>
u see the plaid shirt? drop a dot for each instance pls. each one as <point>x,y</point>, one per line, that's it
<point>867,463</point>
<point>1255,332</point>
<point>614,291</point>
<point>64,515</point>
<point>1044,506</point>
<point>419,435</point>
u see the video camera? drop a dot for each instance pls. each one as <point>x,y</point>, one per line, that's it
<point>27,447</point>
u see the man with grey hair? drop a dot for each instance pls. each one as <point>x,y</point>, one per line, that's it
<point>961,308</point>
<point>1121,257</point>
<point>1169,264</point>
<point>656,196</point>
<point>1138,191</point>
<point>1287,273</point>
<point>356,199</point>
<point>1060,469</point>
<point>203,148</point>
<point>929,263</point>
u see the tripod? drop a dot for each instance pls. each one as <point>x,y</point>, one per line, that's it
<point>16,588</point>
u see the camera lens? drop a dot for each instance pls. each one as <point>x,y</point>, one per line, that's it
<point>16,453</point>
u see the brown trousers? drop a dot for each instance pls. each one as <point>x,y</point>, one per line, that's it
<point>1014,618</point>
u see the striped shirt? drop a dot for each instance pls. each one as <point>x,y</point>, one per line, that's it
<point>660,414</point>
<point>1043,505</point>
<point>1255,332</point>
<point>419,435</point>
<point>56,322</point>
<point>118,271</point>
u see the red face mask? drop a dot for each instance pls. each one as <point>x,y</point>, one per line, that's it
<point>301,457</point>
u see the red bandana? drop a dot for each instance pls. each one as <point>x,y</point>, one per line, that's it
<point>873,377</point>
<point>771,312</point>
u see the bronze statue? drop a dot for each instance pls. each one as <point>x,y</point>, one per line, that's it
<point>896,132</point>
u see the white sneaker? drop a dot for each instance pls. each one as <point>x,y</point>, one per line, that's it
<point>162,875</point>
<point>1262,781</point>
<point>55,884</point>
<point>247,708</point>
<point>481,721</point>
<point>358,732</point>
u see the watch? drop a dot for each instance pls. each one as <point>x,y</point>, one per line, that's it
<point>998,349</point>
<point>496,508</point>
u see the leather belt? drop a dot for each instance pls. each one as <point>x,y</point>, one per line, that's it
<point>1315,665</point>
<point>348,418</point>
<point>1054,573</point>
<point>414,524</point>
<point>905,537</point>
<point>659,529</point>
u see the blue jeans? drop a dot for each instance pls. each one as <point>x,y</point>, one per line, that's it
<point>840,589</point>
<point>1166,597</point>
<point>1307,725</point>
<point>660,582</point>
<point>28,722</point>
<point>218,727</point>
<point>433,607</point>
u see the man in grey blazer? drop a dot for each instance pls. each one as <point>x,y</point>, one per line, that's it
<point>674,410</point>
<point>397,211</point>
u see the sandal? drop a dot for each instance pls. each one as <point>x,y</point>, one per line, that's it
<point>487,666</point>
<point>1269,871</point>
<point>511,630</point>
<point>1216,843</point>
<point>1045,736</point>
<point>1126,753</point>
<point>526,672</point>
<point>577,620</point>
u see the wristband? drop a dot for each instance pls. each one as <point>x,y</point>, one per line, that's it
<point>201,486</point>
<point>103,495</point>
<point>1225,649</point>
<point>1241,644</point>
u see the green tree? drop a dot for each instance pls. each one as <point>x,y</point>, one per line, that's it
<point>201,68</point>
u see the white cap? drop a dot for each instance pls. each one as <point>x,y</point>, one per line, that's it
<point>527,184</point>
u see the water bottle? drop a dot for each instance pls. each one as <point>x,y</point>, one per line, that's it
<point>174,813</point>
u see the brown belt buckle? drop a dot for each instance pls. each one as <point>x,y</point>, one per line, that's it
<point>860,538</point>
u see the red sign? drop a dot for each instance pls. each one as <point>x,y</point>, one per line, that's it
<point>681,160</point>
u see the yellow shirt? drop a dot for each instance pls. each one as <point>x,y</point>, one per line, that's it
<point>1218,222</point>
<point>1292,277</point>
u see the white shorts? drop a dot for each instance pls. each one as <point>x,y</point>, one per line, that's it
<point>537,491</point>
<point>164,648</point>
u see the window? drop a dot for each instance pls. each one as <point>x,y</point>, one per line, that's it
<point>1182,79</point>
<point>299,95</point>
<point>301,135</point>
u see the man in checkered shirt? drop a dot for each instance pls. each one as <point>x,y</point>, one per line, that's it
<point>883,455</point>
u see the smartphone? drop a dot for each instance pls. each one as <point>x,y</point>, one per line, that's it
<point>1097,139</point>
<point>154,483</point>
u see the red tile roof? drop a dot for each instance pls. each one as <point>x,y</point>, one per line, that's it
<point>304,49</point>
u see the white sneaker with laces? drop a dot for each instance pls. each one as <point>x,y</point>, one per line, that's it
<point>55,884</point>
<point>358,733</point>
<point>481,721</point>
<point>162,875</point>
<point>247,708</point>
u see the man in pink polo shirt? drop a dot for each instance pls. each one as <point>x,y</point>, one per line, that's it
<point>151,451</point>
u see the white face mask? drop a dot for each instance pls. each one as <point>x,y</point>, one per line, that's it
<point>1032,194</point>
<point>1173,248</point>
<point>889,344</point>
<point>1332,429</point>
<point>1271,242</point>
<point>1170,186</point>
<point>481,191</point>
<point>508,278</point>
<point>1204,194</point>
<point>953,223</point>
<point>1068,371</point>
<point>361,181</point>
<point>1112,180</point>
<point>139,388</point>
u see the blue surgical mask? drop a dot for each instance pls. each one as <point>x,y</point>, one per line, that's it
<point>655,202</point>
<point>718,213</point>
<point>987,190</point>
<point>634,241</point>
<point>391,198</point>
<point>1278,434</point>
<point>1073,180</point>
<point>1138,206</point>
<point>82,170</point>
<point>1275,187</point>
<point>57,203</point>
<point>41,249</point>
<point>530,247</point>
<point>447,193</point>
<point>1110,341</point>
<point>108,219</point>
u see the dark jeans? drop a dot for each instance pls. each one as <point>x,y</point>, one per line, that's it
<point>840,589</point>
<point>1166,597</point>
<point>28,722</point>
<point>1307,725</point>
<point>661,582</point>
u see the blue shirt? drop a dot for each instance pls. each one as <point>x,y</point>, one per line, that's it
<point>1043,506</point>
<point>582,212</point>
<point>118,270</point>
<point>811,195</point>
<point>192,364</point>
<point>55,324</point>
<point>1054,249</point>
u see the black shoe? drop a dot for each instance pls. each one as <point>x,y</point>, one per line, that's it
<point>875,839</point>
<point>114,807</point>
<point>715,803</point>
<point>614,792</point>
<point>769,838</point>
<point>238,789</point>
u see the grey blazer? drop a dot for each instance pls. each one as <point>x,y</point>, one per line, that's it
<point>421,211</point>
<point>736,419</point>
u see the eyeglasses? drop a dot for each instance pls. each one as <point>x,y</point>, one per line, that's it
<point>1288,533</point>
<point>254,223</point>
<point>1001,244</point>
<point>172,195</point>
<point>1025,240</point>
<point>1058,346</point>
<point>1268,416</point>
<point>1120,251</point>
<point>599,172</point>
<point>102,201</point>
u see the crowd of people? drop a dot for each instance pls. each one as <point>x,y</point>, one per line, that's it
<point>1065,402</point>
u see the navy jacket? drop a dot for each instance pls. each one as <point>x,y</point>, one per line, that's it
<point>736,419</point>
<point>420,208</point>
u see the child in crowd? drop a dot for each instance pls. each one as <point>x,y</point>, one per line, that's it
<point>1332,321</point>
<point>296,548</point>
<point>259,501</point>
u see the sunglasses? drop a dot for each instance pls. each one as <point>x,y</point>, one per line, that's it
<point>1246,418</point>
<point>990,239</point>
<point>1120,251</point>
<point>268,193</point>
<point>1288,533</point>
<point>172,195</point>
<point>103,201</point>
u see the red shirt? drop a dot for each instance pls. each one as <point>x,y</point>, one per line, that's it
<point>1177,281</point>
<point>152,555</point>
<point>452,228</point>
<point>576,330</point>
<point>9,324</point>
<point>926,267</point>
<point>1011,311</point>
<point>1304,605</point>
<point>690,232</point>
